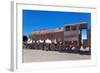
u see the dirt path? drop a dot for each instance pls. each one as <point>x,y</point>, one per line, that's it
<point>30,55</point>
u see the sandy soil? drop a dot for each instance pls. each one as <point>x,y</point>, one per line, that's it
<point>30,55</point>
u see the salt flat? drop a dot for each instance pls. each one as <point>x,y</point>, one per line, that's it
<point>30,55</point>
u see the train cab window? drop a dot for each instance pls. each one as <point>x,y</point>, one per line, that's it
<point>84,34</point>
<point>67,28</point>
<point>73,28</point>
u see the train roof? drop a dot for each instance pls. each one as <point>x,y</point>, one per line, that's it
<point>76,24</point>
<point>47,31</point>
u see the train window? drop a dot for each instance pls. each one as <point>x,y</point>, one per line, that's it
<point>67,28</point>
<point>84,34</point>
<point>73,28</point>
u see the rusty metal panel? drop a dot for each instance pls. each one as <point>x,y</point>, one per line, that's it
<point>71,35</point>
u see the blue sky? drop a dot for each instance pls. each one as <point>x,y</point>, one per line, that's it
<point>34,20</point>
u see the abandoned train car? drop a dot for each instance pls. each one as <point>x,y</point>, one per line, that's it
<point>69,37</point>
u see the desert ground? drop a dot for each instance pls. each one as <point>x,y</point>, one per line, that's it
<point>30,55</point>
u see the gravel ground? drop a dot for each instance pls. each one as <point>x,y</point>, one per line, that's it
<point>30,55</point>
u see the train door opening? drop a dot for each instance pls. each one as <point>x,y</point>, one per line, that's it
<point>84,38</point>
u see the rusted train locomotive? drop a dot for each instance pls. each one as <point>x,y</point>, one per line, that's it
<point>67,38</point>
